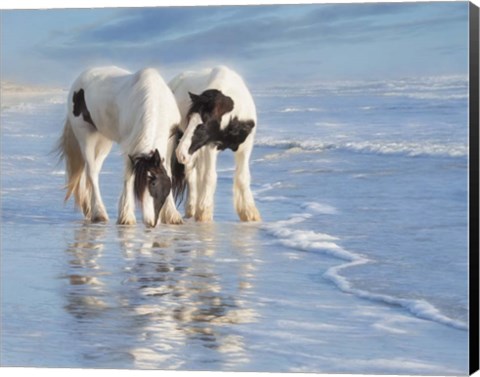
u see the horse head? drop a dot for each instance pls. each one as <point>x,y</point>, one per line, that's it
<point>204,118</point>
<point>150,174</point>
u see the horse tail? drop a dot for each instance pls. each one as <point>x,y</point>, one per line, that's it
<point>179,184</point>
<point>77,184</point>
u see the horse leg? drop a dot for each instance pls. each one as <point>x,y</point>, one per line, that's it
<point>126,204</point>
<point>148,210</point>
<point>96,150</point>
<point>191,172</point>
<point>207,184</point>
<point>169,213</point>
<point>242,194</point>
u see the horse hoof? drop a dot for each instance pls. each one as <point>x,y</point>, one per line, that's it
<point>126,220</point>
<point>189,212</point>
<point>178,221</point>
<point>171,217</point>
<point>174,220</point>
<point>99,219</point>
<point>249,215</point>
<point>204,216</point>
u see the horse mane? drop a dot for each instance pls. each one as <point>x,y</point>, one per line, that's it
<point>179,183</point>
<point>235,134</point>
<point>140,170</point>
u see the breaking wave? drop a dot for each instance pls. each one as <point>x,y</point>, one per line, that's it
<point>411,149</point>
<point>311,241</point>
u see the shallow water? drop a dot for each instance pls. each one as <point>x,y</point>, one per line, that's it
<point>198,298</point>
<point>360,264</point>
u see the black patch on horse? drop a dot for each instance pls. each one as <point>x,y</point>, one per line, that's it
<point>80,107</point>
<point>235,134</point>
<point>205,133</point>
<point>231,137</point>
<point>211,105</point>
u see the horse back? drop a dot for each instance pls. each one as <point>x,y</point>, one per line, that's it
<point>95,92</point>
<point>125,106</point>
<point>221,78</point>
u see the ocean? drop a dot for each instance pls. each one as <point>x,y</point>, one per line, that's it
<point>360,264</point>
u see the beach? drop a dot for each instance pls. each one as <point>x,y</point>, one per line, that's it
<point>359,265</point>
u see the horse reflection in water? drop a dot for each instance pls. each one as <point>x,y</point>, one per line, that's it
<point>189,303</point>
<point>175,299</point>
<point>86,300</point>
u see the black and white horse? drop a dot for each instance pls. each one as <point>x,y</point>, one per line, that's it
<point>217,112</point>
<point>137,111</point>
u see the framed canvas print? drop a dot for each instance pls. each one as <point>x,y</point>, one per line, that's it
<point>241,188</point>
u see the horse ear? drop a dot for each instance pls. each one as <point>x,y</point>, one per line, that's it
<point>156,158</point>
<point>224,105</point>
<point>194,97</point>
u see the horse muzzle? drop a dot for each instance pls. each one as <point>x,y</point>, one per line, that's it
<point>182,155</point>
<point>161,196</point>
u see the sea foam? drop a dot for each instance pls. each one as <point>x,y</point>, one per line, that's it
<point>311,241</point>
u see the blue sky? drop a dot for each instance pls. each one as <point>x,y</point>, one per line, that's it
<point>268,44</point>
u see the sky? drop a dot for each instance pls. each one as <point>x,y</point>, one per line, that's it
<point>269,44</point>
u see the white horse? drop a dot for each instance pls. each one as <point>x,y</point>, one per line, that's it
<point>137,111</point>
<point>218,112</point>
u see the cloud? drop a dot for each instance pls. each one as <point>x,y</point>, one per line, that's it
<point>293,35</point>
<point>137,25</point>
